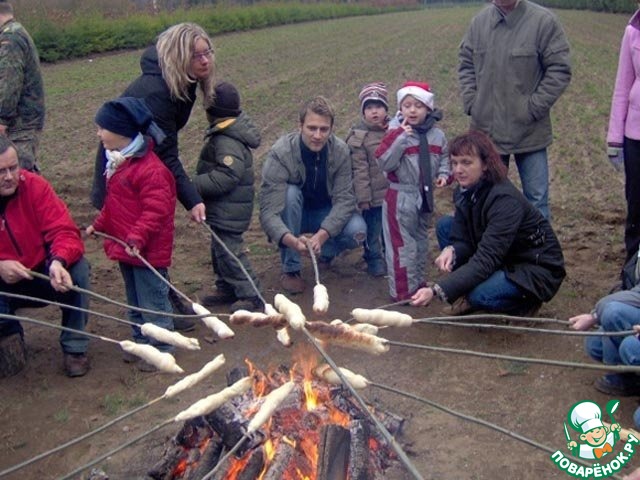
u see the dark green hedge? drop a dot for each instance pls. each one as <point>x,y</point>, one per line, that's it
<point>90,34</point>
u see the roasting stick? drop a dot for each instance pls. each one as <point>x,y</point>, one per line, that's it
<point>171,391</point>
<point>541,361</point>
<point>210,320</point>
<point>588,333</point>
<point>320,292</point>
<point>231,254</point>
<point>115,302</point>
<point>161,334</point>
<point>382,429</point>
<point>163,361</point>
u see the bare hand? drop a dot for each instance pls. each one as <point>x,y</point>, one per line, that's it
<point>198,213</point>
<point>441,182</point>
<point>59,277</point>
<point>317,240</point>
<point>422,297</point>
<point>364,206</point>
<point>406,127</point>
<point>445,260</point>
<point>3,130</point>
<point>582,322</point>
<point>132,251</point>
<point>12,271</point>
<point>90,230</point>
<point>572,444</point>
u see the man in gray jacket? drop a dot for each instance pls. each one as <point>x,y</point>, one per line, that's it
<point>307,187</point>
<point>514,65</point>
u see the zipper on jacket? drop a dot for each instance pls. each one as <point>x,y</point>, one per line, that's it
<point>315,177</point>
<point>5,226</point>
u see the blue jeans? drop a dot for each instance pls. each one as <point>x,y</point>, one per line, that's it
<point>534,176</point>
<point>70,342</point>
<point>615,317</point>
<point>443,231</point>
<point>499,294</point>
<point>300,221</point>
<point>373,246</point>
<point>145,290</point>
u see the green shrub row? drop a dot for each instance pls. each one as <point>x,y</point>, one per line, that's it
<point>612,6</point>
<point>94,33</point>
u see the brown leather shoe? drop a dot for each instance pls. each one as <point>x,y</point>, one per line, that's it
<point>76,364</point>
<point>460,307</point>
<point>292,282</point>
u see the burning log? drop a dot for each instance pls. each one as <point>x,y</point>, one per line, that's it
<point>334,453</point>
<point>359,448</point>
<point>283,456</point>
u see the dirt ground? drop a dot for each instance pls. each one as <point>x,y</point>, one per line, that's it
<point>40,408</point>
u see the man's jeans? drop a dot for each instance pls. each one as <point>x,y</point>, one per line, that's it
<point>145,290</point>
<point>443,231</point>
<point>300,221</point>
<point>616,317</point>
<point>534,176</point>
<point>499,294</point>
<point>71,342</point>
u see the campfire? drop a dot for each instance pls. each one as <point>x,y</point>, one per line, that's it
<point>317,433</point>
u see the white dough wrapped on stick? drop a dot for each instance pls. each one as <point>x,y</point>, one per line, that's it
<point>345,336</point>
<point>270,404</point>
<point>214,323</point>
<point>167,336</point>
<point>161,360</point>
<point>208,404</point>
<point>381,318</point>
<point>258,319</point>
<point>320,299</point>
<point>358,327</point>
<point>282,334</point>
<point>326,373</point>
<point>195,378</point>
<point>290,310</point>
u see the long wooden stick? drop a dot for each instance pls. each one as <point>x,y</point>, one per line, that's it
<point>542,361</point>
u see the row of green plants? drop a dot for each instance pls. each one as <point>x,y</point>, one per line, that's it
<point>611,6</point>
<point>88,34</point>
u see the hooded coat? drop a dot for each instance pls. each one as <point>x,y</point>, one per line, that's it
<point>224,174</point>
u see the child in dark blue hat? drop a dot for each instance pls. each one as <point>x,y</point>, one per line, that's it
<point>138,209</point>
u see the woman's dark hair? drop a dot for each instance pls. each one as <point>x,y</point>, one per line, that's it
<point>478,143</point>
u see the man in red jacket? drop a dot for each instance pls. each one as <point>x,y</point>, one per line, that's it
<point>38,234</point>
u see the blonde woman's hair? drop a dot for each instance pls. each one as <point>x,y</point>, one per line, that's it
<point>175,47</point>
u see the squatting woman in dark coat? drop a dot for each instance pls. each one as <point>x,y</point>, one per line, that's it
<point>504,255</point>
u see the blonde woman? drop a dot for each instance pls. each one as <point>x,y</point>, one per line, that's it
<point>181,62</point>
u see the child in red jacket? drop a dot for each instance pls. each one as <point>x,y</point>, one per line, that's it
<point>138,209</point>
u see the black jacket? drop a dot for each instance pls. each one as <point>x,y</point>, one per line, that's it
<point>171,115</point>
<point>224,175</point>
<point>496,228</point>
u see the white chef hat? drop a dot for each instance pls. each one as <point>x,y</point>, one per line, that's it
<point>586,416</point>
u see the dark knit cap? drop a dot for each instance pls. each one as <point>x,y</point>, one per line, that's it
<point>227,102</point>
<point>126,116</point>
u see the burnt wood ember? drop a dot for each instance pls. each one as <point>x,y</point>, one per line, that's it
<point>231,425</point>
<point>250,471</point>
<point>359,450</point>
<point>333,452</point>
<point>280,462</point>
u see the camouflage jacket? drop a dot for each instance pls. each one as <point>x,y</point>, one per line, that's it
<point>21,88</point>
